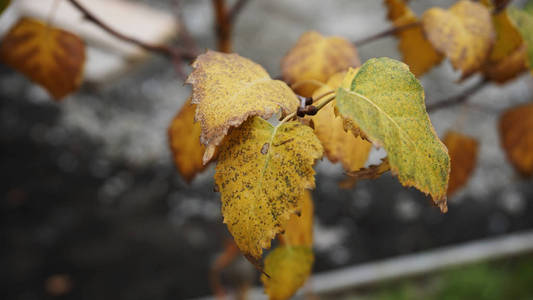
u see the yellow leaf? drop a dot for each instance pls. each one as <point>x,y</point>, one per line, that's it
<point>48,56</point>
<point>463,156</point>
<point>299,228</point>
<point>288,268</point>
<point>184,140</point>
<point>339,145</point>
<point>417,51</point>
<point>314,58</point>
<point>386,102</point>
<point>228,89</point>
<point>262,172</point>
<point>464,33</point>
<point>516,132</point>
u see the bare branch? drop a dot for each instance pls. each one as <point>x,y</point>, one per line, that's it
<point>385,33</point>
<point>175,54</point>
<point>458,99</point>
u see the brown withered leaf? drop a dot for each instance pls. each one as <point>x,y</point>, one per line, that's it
<point>464,33</point>
<point>50,57</point>
<point>339,145</point>
<point>314,58</point>
<point>417,51</point>
<point>184,141</point>
<point>228,89</point>
<point>516,133</point>
<point>463,158</point>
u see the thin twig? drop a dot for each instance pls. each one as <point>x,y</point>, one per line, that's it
<point>175,54</point>
<point>385,33</point>
<point>223,26</point>
<point>236,10</point>
<point>458,99</point>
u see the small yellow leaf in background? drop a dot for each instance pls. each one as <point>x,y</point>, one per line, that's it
<point>464,33</point>
<point>48,56</point>
<point>339,145</point>
<point>288,268</point>
<point>290,264</point>
<point>417,51</point>
<point>4,4</point>
<point>184,140</point>
<point>463,155</point>
<point>516,133</point>
<point>228,89</point>
<point>314,58</point>
<point>262,173</point>
<point>387,103</point>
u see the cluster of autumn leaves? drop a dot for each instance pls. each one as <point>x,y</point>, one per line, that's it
<point>265,168</point>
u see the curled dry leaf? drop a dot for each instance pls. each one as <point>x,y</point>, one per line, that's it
<point>184,140</point>
<point>228,89</point>
<point>262,172</point>
<point>339,145</point>
<point>372,172</point>
<point>386,102</point>
<point>417,51</point>
<point>49,56</point>
<point>314,58</point>
<point>464,33</point>
<point>463,155</point>
<point>516,133</point>
<point>286,277</point>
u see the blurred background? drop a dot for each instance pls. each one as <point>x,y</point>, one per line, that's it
<point>92,206</point>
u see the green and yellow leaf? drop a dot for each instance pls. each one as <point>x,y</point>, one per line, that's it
<point>315,58</point>
<point>463,156</point>
<point>386,102</point>
<point>262,173</point>
<point>516,133</point>
<point>184,139</point>
<point>50,57</point>
<point>464,34</point>
<point>417,51</point>
<point>228,89</point>
<point>339,145</point>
